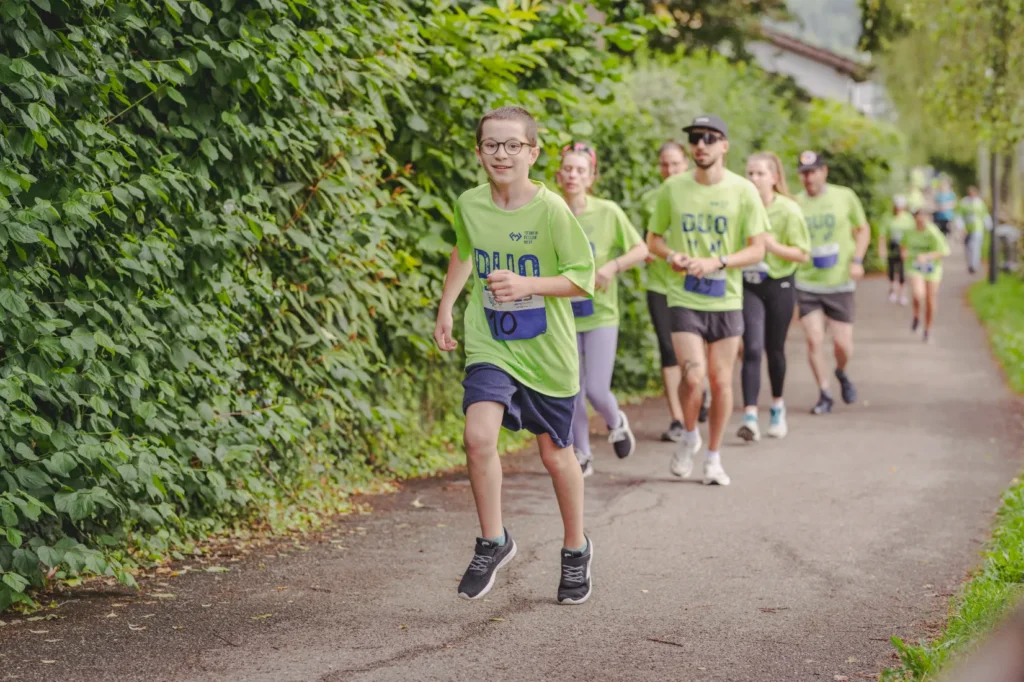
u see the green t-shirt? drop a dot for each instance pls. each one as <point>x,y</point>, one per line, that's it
<point>831,218</point>
<point>708,221</point>
<point>973,211</point>
<point>897,225</point>
<point>533,339</point>
<point>928,240</point>
<point>789,229</point>
<point>611,235</point>
<point>658,272</point>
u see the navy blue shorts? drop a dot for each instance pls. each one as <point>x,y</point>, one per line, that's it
<point>525,408</point>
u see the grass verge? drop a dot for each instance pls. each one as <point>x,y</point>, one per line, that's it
<point>985,598</point>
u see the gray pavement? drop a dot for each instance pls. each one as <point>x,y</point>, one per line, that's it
<point>856,527</point>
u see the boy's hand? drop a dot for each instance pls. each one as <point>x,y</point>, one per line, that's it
<point>699,267</point>
<point>679,262</point>
<point>507,286</point>
<point>443,331</point>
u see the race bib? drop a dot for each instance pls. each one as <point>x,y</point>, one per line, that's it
<point>710,285</point>
<point>756,274</point>
<point>926,269</point>
<point>582,306</point>
<point>516,320</point>
<point>825,256</point>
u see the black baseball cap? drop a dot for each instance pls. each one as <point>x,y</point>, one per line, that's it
<point>710,122</point>
<point>809,160</point>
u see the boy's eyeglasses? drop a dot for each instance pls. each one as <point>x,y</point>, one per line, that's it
<point>708,138</point>
<point>512,147</point>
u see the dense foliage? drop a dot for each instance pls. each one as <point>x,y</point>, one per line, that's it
<point>223,229</point>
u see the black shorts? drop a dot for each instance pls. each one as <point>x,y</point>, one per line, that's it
<point>837,306</point>
<point>943,225</point>
<point>525,408</point>
<point>711,326</point>
<point>657,305</point>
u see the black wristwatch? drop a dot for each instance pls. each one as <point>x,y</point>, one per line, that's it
<point>724,260</point>
<point>858,261</point>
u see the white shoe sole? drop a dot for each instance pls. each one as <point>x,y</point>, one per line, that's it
<point>490,583</point>
<point>588,472</point>
<point>778,433</point>
<point>574,602</point>
<point>629,436</point>
<point>715,481</point>
<point>748,434</point>
<point>686,462</point>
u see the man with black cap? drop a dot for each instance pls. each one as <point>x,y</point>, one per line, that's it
<point>840,237</point>
<point>708,224</point>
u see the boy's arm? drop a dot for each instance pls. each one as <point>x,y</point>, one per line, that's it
<point>454,282</point>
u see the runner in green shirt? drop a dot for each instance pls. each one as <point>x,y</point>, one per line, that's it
<point>671,161</point>
<point>617,247</point>
<point>889,239</point>
<point>974,213</point>
<point>769,295</point>
<point>708,225</point>
<point>529,256</point>
<point>840,237</point>
<point>923,249</point>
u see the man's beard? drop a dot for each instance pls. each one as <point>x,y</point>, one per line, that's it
<point>706,164</point>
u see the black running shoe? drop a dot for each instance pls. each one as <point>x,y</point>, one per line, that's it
<point>487,559</point>
<point>824,405</point>
<point>849,390</point>
<point>575,585</point>
<point>705,406</point>
<point>622,439</point>
<point>674,433</point>
<point>914,324</point>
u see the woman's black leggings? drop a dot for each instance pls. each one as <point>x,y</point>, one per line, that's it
<point>896,268</point>
<point>767,312</point>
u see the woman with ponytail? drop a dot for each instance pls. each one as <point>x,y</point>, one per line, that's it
<point>769,295</point>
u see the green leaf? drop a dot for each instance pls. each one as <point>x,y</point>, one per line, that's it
<point>15,537</point>
<point>43,4</point>
<point>15,582</point>
<point>417,123</point>
<point>13,302</point>
<point>61,464</point>
<point>39,113</point>
<point>40,425</point>
<point>22,233</point>
<point>201,13</point>
<point>49,556</point>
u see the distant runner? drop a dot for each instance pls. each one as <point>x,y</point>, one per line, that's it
<point>924,247</point>
<point>840,237</point>
<point>974,213</point>
<point>889,239</point>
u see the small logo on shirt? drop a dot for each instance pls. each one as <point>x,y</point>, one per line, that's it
<point>516,236</point>
<point>720,204</point>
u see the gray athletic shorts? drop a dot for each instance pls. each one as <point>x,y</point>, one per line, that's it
<point>710,326</point>
<point>837,306</point>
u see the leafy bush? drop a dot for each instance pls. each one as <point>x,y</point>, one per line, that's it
<point>223,231</point>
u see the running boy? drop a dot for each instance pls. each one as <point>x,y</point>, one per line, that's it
<point>708,225</point>
<point>529,256</point>
<point>923,248</point>
<point>617,247</point>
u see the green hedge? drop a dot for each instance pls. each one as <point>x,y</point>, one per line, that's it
<point>223,230</point>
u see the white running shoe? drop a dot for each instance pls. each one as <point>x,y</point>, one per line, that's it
<point>904,301</point>
<point>714,474</point>
<point>586,463</point>
<point>682,459</point>
<point>893,297</point>
<point>778,427</point>
<point>622,439</point>
<point>750,431</point>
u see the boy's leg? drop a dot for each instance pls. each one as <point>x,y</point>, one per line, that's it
<point>932,298</point>
<point>721,359</point>
<point>567,480</point>
<point>917,292</point>
<point>483,423</point>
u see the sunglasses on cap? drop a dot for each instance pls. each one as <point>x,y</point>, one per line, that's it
<point>581,148</point>
<point>708,138</point>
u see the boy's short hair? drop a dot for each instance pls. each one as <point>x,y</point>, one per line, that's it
<point>510,114</point>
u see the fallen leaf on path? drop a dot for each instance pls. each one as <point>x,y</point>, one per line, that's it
<point>403,627</point>
<point>163,595</point>
<point>442,525</point>
<point>217,569</point>
<point>51,641</point>
<point>416,504</point>
<point>497,620</point>
<point>206,606</point>
<point>47,662</point>
<point>119,606</point>
<point>176,627</point>
<point>149,615</point>
<point>111,615</point>
<point>851,659</point>
<point>136,628</point>
<point>644,591</point>
<point>337,542</point>
<point>262,616</point>
<point>281,588</point>
<point>841,678</point>
<point>38,632</point>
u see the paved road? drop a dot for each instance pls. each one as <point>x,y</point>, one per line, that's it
<point>855,528</point>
